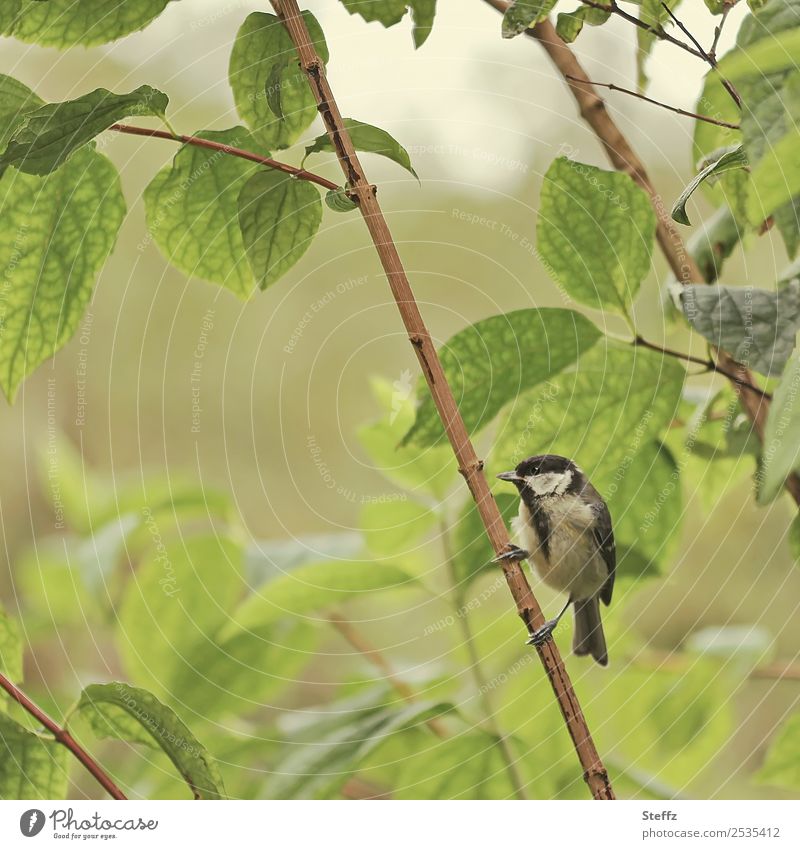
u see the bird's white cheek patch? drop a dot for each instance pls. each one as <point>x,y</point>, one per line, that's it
<point>550,483</point>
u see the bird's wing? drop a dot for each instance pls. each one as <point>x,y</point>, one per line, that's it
<point>604,537</point>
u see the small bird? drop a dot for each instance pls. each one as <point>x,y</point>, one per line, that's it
<point>566,527</point>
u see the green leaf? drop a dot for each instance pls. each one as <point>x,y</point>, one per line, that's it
<point>606,416</point>
<point>179,597</point>
<point>652,13</point>
<point>782,765</point>
<point>265,74</point>
<point>766,56</point>
<point>423,13</point>
<point>756,326</point>
<point>522,14</point>
<point>794,539</point>
<point>64,23</point>
<point>10,648</point>
<point>595,232</point>
<point>313,769</point>
<point>31,767</point>
<point>312,587</point>
<point>776,179</point>
<point>192,209</point>
<point>53,132</point>
<point>57,233</point>
<point>16,101</point>
<point>369,139</point>
<point>394,527</point>
<point>185,751</point>
<point>388,12</point>
<point>279,217</point>
<point>570,24</point>
<point>489,363</point>
<point>338,201</point>
<point>429,472</point>
<point>728,159</point>
<point>781,454</point>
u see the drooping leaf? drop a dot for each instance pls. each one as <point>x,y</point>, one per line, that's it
<point>31,767</point>
<point>169,732</point>
<point>595,232</point>
<point>570,24</point>
<point>387,12</point>
<point>782,765</point>
<point>179,597</point>
<point>192,209</point>
<point>522,14</point>
<point>338,201</point>
<point>369,139</point>
<point>781,454</point>
<point>489,363</point>
<point>307,589</point>
<point>312,770</point>
<point>422,13</point>
<point>264,71</point>
<point>16,101</point>
<point>279,217</point>
<point>728,159</point>
<point>64,23</point>
<point>57,232</point>
<point>652,13</point>
<point>53,132</point>
<point>756,326</point>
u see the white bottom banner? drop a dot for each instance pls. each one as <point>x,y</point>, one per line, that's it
<point>400,824</point>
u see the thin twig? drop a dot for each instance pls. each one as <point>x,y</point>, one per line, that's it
<point>712,52</point>
<point>469,465</point>
<point>363,647</point>
<point>727,85</point>
<point>64,737</point>
<point>698,117</point>
<point>624,158</point>
<point>710,364</point>
<point>197,141</point>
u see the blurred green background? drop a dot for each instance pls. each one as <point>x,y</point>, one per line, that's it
<point>482,119</point>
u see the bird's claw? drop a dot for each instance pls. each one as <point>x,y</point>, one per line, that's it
<point>512,555</point>
<point>544,633</point>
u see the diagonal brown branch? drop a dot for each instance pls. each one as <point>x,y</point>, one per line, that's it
<point>469,464</point>
<point>64,737</point>
<point>622,156</point>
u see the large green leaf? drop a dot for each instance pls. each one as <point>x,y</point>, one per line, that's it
<point>16,101</point>
<point>782,765</point>
<point>53,132</point>
<point>31,767</point>
<point>489,363</point>
<point>63,23</point>
<point>265,76</point>
<point>167,730</point>
<point>310,588</point>
<point>522,14</point>
<point>781,454</point>
<point>606,416</point>
<point>192,209</point>
<point>178,598</point>
<point>369,139</point>
<point>279,217</point>
<point>756,326</point>
<point>595,233</point>
<point>57,232</point>
<point>10,648</point>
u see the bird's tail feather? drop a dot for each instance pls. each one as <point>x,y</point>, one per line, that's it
<point>589,637</point>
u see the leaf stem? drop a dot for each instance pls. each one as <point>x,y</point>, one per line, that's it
<point>64,737</point>
<point>709,363</point>
<point>614,87</point>
<point>478,675</point>
<point>299,173</point>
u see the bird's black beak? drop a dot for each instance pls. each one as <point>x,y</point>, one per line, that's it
<point>509,476</point>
